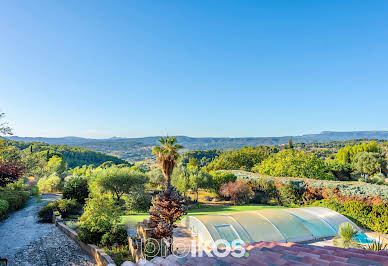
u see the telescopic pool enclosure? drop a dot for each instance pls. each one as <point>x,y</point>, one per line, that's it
<point>280,225</point>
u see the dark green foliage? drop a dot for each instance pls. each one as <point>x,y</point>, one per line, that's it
<point>68,207</point>
<point>357,212</point>
<point>76,188</point>
<point>138,202</point>
<point>3,209</point>
<point>265,191</point>
<point>119,254</point>
<point>34,190</point>
<point>203,157</point>
<point>116,236</point>
<point>46,212</point>
<point>65,207</point>
<point>74,156</point>
<point>341,171</point>
<point>16,199</point>
<point>291,194</point>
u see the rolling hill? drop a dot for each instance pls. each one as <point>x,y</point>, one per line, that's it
<point>135,149</point>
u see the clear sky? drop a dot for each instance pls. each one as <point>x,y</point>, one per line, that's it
<point>196,68</point>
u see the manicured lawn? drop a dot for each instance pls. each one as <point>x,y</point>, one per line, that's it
<point>132,220</point>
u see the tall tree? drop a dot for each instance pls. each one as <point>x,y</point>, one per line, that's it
<point>169,205</point>
<point>167,155</point>
<point>120,181</point>
<point>290,144</point>
<point>4,128</point>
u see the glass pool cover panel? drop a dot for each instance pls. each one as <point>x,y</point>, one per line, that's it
<point>290,227</point>
<point>280,225</point>
<point>227,232</point>
<point>212,221</point>
<point>331,217</point>
<point>318,227</point>
<point>258,227</point>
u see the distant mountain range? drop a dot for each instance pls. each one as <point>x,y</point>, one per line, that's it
<point>135,149</point>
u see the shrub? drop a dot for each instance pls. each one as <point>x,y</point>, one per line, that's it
<point>46,212</point>
<point>67,207</point>
<point>49,184</point>
<point>291,194</point>
<point>76,188</point>
<point>342,191</point>
<point>34,190</point>
<point>357,212</point>
<point>116,236</point>
<point>219,178</point>
<point>295,164</point>
<point>138,202</point>
<point>99,217</point>
<point>16,199</point>
<point>378,218</point>
<point>239,191</point>
<point>268,189</point>
<point>119,254</point>
<point>3,209</point>
<point>330,204</point>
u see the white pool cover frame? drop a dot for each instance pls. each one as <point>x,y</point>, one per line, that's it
<point>280,225</point>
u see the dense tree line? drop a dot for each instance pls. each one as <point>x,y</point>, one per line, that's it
<point>74,156</point>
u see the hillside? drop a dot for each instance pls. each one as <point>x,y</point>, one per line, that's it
<point>135,149</point>
<point>74,156</point>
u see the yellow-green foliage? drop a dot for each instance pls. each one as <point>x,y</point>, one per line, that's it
<point>347,153</point>
<point>49,184</point>
<point>221,177</point>
<point>358,212</point>
<point>378,218</point>
<point>242,159</point>
<point>294,164</point>
<point>101,213</point>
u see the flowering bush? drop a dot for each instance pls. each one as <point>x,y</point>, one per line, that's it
<point>239,191</point>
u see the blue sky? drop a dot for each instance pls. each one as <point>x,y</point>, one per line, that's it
<point>196,68</point>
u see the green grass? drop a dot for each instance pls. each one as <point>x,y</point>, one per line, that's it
<point>133,219</point>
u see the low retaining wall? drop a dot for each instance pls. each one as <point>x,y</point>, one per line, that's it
<point>95,252</point>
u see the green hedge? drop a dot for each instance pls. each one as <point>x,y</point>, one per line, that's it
<point>16,199</point>
<point>374,218</point>
<point>3,209</point>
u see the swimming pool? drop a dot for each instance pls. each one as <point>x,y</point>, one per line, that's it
<point>364,239</point>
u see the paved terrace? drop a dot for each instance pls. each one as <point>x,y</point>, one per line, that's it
<point>273,253</point>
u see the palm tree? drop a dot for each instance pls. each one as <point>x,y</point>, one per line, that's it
<point>346,234</point>
<point>167,155</point>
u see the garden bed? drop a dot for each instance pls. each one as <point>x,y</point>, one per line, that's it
<point>95,252</point>
<point>343,191</point>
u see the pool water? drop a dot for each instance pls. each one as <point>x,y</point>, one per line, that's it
<point>363,239</point>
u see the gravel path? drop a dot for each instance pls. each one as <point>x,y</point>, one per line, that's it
<point>22,237</point>
<point>54,248</point>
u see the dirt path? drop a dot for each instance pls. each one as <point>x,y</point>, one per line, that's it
<point>23,240</point>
